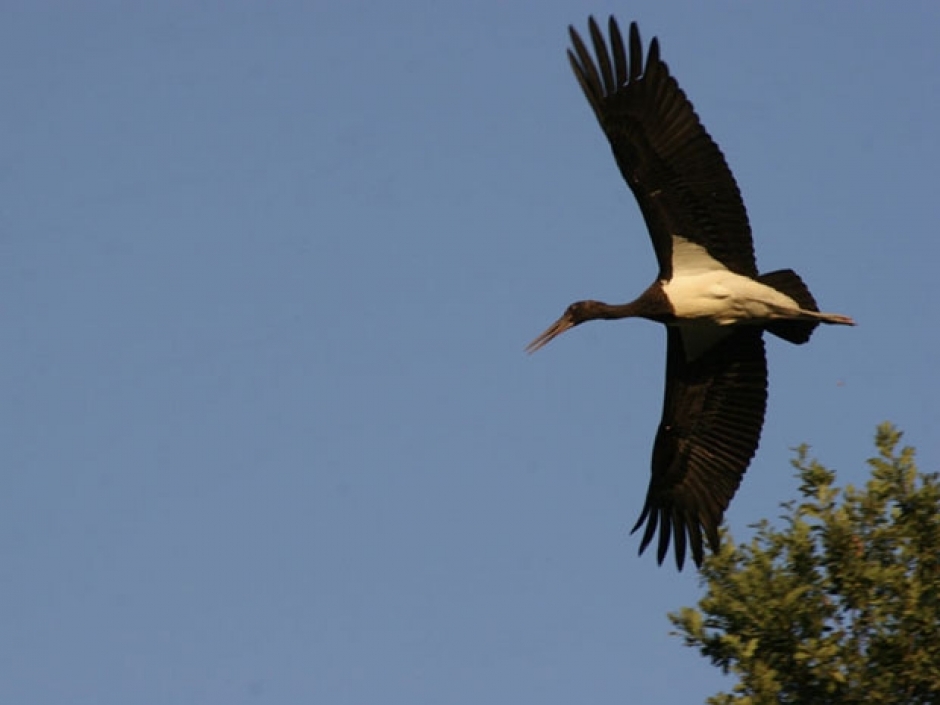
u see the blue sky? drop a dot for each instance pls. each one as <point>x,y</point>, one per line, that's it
<point>269,433</point>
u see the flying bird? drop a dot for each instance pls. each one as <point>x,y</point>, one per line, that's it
<point>708,292</point>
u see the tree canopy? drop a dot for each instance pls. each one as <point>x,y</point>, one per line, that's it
<point>841,604</point>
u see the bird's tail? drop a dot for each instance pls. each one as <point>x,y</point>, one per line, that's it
<point>788,282</point>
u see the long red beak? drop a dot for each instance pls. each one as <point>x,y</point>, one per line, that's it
<point>554,330</point>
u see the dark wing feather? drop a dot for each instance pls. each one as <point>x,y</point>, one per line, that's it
<point>712,418</point>
<point>677,173</point>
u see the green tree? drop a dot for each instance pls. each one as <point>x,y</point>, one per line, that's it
<point>841,604</point>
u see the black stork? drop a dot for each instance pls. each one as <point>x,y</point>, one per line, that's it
<point>708,292</point>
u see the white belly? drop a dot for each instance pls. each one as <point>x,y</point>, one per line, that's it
<point>724,298</point>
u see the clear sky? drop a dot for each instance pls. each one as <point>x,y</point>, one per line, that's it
<point>268,431</point>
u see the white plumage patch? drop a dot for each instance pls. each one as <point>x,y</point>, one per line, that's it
<point>702,288</point>
<point>707,298</point>
<point>689,258</point>
<point>726,298</point>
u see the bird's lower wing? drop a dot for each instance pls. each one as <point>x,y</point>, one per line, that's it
<point>712,417</point>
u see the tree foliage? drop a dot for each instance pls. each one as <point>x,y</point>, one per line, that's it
<point>841,604</point>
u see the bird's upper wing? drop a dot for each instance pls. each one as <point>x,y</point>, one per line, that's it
<point>677,173</point>
<point>712,417</point>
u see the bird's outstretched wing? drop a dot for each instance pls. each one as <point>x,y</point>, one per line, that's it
<point>712,417</point>
<point>677,173</point>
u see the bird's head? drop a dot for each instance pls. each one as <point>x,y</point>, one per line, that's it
<point>575,314</point>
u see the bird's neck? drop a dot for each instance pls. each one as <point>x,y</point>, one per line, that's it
<point>651,304</point>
